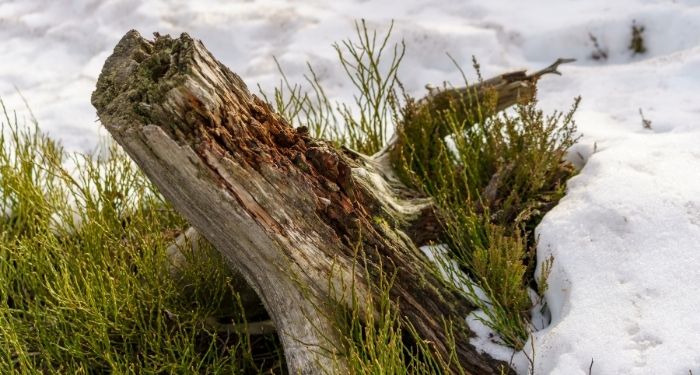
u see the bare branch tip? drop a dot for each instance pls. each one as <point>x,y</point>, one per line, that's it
<point>552,69</point>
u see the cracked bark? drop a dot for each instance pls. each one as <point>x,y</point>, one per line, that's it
<point>286,211</point>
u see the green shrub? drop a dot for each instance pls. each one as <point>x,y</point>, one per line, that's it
<point>493,177</point>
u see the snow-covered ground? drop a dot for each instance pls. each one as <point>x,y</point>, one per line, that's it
<point>626,239</point>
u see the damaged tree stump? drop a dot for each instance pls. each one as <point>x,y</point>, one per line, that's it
<point>290,213</point>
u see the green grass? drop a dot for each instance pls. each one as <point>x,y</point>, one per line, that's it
<point>371,65</point>
<point>85,286</point>
<point>378,341</point>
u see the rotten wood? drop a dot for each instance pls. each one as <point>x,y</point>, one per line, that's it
<point>289,213</point>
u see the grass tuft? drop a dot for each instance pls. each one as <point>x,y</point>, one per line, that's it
<point>378,340</point>
<point>371,65</point>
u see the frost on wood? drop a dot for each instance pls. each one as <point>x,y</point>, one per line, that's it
<point>297,218</point>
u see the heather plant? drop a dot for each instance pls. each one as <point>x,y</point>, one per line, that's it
<point>493,177</point>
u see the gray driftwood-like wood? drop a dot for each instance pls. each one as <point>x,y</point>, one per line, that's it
<point>297,218</point>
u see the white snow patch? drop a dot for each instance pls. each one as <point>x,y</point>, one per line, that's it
<point>485,339</point>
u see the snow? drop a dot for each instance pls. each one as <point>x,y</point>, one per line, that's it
<point>625,243</point>
<point>625,239</point>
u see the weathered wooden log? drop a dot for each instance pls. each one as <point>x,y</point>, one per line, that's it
<point>290,213</point>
